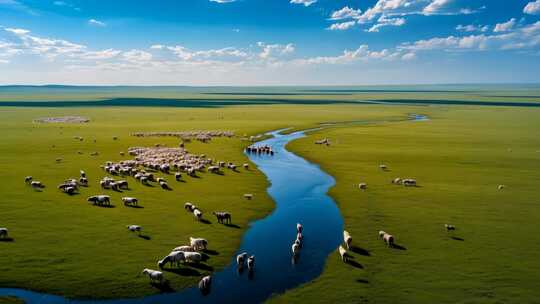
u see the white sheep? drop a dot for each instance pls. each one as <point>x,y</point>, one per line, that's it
<point>295,249</point>
<point>362,186</point>
<point>347,238</point>
<point>205,283</point>
<point>3,232</point>
<point>251,263</point>
<point>240,259</point>
<point>184,248</point>
<point>134,228</point>
<point>343,253</point>
<point>130,201</point>
<point>198,243</point>
<point>198,214</point>
<point>153,275</point>
<point>299,228</point>
<point>192,257</point>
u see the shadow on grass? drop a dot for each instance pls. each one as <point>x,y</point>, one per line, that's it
<point>164,288</point>
<point>362,281</point>
<point>184,271</point>
<point>205,221</point>
<point>360,251</point>
<point>354,263</point>
<point>457,238</point>
<point>144,237</point>
<point>210,252</point>
<point>232,226</point>
<point>398,247</point>
<point>105,206</point>
<point>201,266</point>
<point>134,206</point>
<point>7,239</point>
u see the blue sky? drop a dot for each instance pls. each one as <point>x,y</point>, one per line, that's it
<point>269,42</point>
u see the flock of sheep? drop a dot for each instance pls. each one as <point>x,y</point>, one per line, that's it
<point>201,135</point>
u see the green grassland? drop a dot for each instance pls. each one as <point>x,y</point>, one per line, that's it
<point>459,158</point>
<point>63,245</point>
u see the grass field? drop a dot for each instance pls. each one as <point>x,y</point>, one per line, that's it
<point>459,159</point>
<point>65,246</point>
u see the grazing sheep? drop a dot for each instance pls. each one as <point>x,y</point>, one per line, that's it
<point>381,234</point>
<point>164,185</point>
<point>36,184</point>
<point>70,190</point>
<point>144,180</point>
<point>205,284</point>
<point>251,263</point>
<point>347,238</point>
<point>213,169</point>
<point>383,167</point>
<point>153,275</point>
<point>500,187</point>
<point>246,166</point>
<point>122,184</point>
<point>409,182</point>
<point>83,181</point>
<point>189,207</point>
<point>3,233</point>
<point>223,217</point>
<point>362,186</point>
<point>396,181</point>
<point>177,176</point>
<point>134,228</point>
<point>100,200</point>
<point>130,201</point>
<point>184,248</point>
<point>174,259</point>
<point>192,257</point>
<point>28,179</point>
<point>198,243</point>
<point>240,259</point>
<point>343,253</point>
<point>449,227</point>
<point>248,196</point>
<point>299,228</point>
<point>83,174</point>
<point>295,249</point>
<point>197,214</point>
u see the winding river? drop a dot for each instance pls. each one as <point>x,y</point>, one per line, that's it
<point>299,189</point>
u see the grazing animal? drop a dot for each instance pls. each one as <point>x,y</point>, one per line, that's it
<point>381,234</point>
<point>409,182</point>
<point>134,228</point>
<point>198,243</point>
<point>299,228</point>
<point>36,185</point>
<point>83,181</point>
<point>177,176</point>
<point>449,227</point>
<point>223,217</point>
<point>70,190</point>
<point>28,179</point>
<point>248,196</point>
<point>83,174</point>
<point>205,284</point>
<point>295,249</point>
<point>251,263</point>
<point>100,200</point>
<point>174,258</point>
<point>383,167</point>
<point>500,187</point>
<point>347,238</point>
<point>343,253</point>
<point>192,257</point>
<point>241,259</point>
<point>3,233</point>
<point>184,248</point>
<point>130,201</point>
<point>362,186</point>
<point>164,185</point>
<point>246,166</point>
<point>198,214</point>
<point>153,275</point>
<point>189,207</point>
<point>388,239</point>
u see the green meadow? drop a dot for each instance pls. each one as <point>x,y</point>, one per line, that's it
<point>63,245</point>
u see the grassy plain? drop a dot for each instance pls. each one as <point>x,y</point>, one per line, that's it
<point>459,158</point>
<point>63,245</point>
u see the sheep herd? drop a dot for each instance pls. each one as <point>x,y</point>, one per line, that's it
<point>202,136</point>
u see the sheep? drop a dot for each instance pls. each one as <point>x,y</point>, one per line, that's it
<point>144,180</point>
<point>383,167</point>
<point>248,196</point>
<point>3,233</point>
<point>192,257</point>
<point>299,238</point>
<point>347,239</point>
<point>177,176</point>
<point>381,234</point>
<point>205,284</point>
<point>83,174</point>
<point>69,190</point>
<point>160,180</point>
<point>174,258</point>
<point>223,217</point>
<point>184,248</point>
<point>396,181</point>
<point>246,166</point>
<point>198,243</point>
<point>299,228</point>
<point>164,185</point>
<point>449,227</point>
<point>198,214</point>
<point>36,184</point>
<point>500,187</point>
<point>213,169</point>
<point>251,263</point>
<point>240,259</point>
<point>362,186</point>
<point>100,200</point>
<point>122,184</point>
<point>153,275</point>
<point>409,182</point>
<point>189,207</point>
<point>295,249</point>
<point>28,179</point>
<point>388,239</point>
<point>130,201</point>
<point>343,253</point>
<point>134,228</point>
<point>83,181</point>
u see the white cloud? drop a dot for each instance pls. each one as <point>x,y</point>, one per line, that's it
<point>157,47</point>
<point>384,21</point>
<point>223,1</point>
<point>97,22</point>
<point>436,6</point>
<point>362,53</point>
<point>341,26</point>
<point>505,27</point>
<point>137,56</point>
<point>270,51</point>
<point>472,28</point>
<point>346,13</point>
<point>408,56</point>
<point>532,8</point>
<point>304,2</point>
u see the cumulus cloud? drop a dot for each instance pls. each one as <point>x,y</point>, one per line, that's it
<point>505,27</point>
<point>385,21</point>
<point>223,1</point>
<point>362,53</point>
<point>97,23</point>
<point>472,28</point>
<point>341,26</point>
<point>270,51</point>
<point>532,8</point>
<point>304,2</point>
<point>345,13</point>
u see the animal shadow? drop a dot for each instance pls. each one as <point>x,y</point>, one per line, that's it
<point>211,252</point>
<point>145,237</point>
<point>205,221</point>
<point>232,226</point>
<point>457,238</point>
<point>201,266</point>
<point>362,281</point>
<point>354,263</point>
<point>360,251</point>
<point>135,206</point>
<point>164,288</point>
<point>105,206</point>
<point>398,247</point>
<point>184,271</point>
<point>251,274</point>
<point>7,239</point>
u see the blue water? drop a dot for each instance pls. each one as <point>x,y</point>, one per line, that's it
<point>299,190</point>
